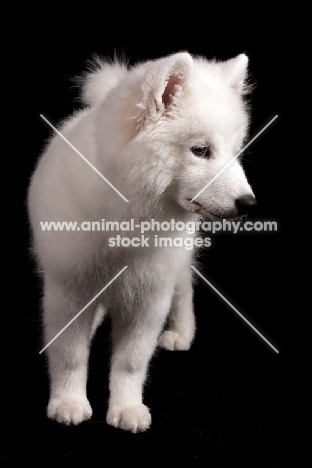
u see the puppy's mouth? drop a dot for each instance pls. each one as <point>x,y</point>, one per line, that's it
<point>197,207</point>
<point>194,205</point>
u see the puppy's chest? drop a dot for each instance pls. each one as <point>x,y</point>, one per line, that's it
<point>149,269</point>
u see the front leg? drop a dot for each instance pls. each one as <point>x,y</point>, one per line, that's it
<point>135,338</point>
<point>181,329</point>
<point>68,354</point>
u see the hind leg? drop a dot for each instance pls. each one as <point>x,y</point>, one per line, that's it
<point>99,315</point>
<point>181,329</point>
<point>68,354</point>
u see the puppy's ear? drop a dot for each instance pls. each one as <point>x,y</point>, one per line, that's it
<point>175,74</point>
<point>163,81</point>
<point>236,73</point>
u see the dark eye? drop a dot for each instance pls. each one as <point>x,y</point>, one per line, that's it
<point>201,151</point>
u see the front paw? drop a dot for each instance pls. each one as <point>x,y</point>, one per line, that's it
<point>174,341</point>
<point>69,410</point>
<point>135,418</point>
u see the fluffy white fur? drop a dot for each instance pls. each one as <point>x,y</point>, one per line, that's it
<point>137,129</point>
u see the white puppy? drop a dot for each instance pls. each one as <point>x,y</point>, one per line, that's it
<point>158,132</point>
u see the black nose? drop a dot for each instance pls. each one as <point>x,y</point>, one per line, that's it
<point>245,204</point>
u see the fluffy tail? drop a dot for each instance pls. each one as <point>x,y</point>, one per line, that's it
<point>102,77</point>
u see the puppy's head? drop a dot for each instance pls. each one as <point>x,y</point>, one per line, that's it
<point>193,119</point>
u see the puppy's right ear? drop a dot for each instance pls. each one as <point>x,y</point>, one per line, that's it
<point>236,73</point>
<point>163,82</point>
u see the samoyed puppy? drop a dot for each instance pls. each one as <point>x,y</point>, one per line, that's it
<point>152,136</point>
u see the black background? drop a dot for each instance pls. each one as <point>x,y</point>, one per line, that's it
<point>231,401</point>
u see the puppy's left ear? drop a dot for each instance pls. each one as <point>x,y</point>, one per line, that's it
<point>164,80</point>
<point>175,74</point>
<point>236,73</point>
